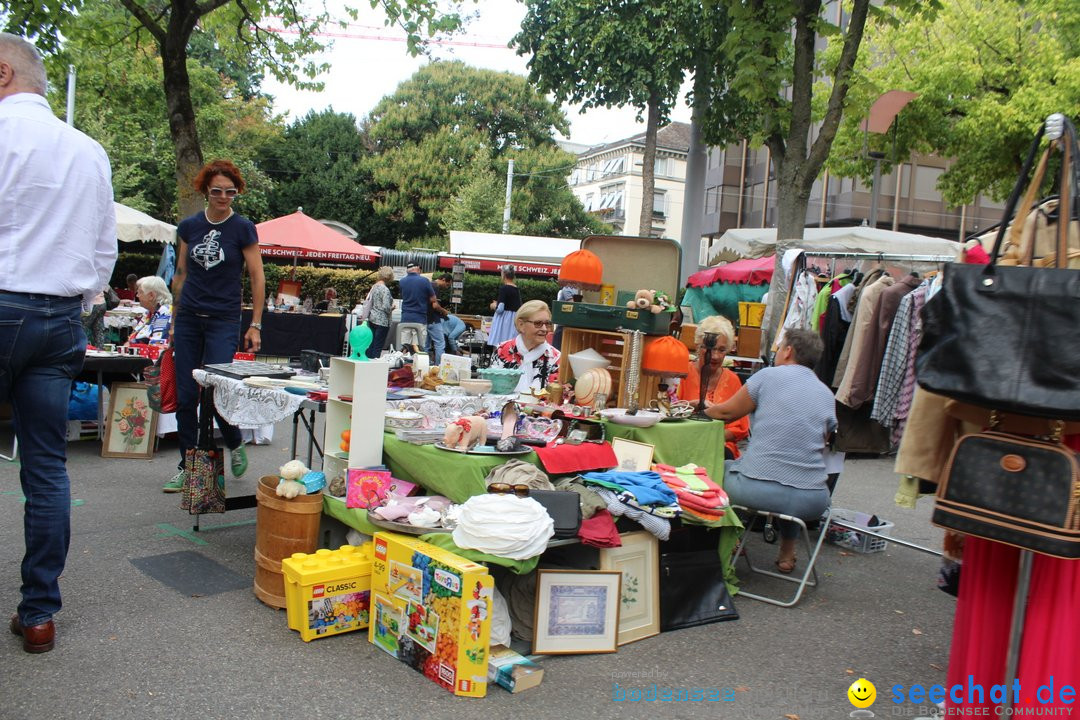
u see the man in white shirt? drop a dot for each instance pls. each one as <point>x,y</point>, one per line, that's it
<point>58,241</point>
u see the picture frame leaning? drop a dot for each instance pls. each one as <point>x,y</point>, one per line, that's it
<point>130,424</point>
<point>638,559</point>
<point>577,611</point>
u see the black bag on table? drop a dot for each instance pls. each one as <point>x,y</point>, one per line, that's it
<point>1008,337</point>
<point>564,507</point>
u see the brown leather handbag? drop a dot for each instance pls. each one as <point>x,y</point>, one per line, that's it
<point>1023,491</point>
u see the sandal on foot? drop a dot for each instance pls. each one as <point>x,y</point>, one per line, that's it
<point>238,461</point>
<point>786,566</point>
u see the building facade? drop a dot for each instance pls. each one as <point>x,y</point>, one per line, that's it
<point>607,180</point>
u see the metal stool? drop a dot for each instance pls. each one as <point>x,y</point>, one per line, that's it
<point>812,550</point>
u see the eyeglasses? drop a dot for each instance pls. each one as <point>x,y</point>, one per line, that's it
<point>506,489</point>
<point>226,192</point>
<point>541,324</point>
<point>720,349</point>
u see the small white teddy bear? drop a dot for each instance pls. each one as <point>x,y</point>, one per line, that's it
<point>289,486</point>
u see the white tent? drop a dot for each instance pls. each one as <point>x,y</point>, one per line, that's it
<point>759,242</point>
<point>518,247</point>
<point>135,226</point>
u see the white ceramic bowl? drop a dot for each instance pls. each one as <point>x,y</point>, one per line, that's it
<point>403,419</point>
<point>583,361</point>
<point>642,419</point>
<point>475,386</point>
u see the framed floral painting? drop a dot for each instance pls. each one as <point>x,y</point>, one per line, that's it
<point>638,559</point>
<point>130,425</point>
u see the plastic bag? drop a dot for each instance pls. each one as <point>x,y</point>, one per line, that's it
<point>83,402</point>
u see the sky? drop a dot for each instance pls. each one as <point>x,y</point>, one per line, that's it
<point>369,60</point>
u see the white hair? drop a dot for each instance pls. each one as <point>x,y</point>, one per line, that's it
<point>156,287</point>
<point>25,60</point>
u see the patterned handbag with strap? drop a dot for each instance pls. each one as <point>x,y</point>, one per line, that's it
<point>204,466</point>
<point>160,380</point>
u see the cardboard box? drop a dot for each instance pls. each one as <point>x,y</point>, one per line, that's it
<point>328,592</point>
<point>368,487</point>
<point>513,671</point>
<point>749,342</point>
<point>431,609</point>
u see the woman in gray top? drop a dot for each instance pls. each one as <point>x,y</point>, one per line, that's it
<point>378,315</point>
<point>792,414</point>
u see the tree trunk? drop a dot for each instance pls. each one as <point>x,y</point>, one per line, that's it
<point>182,127</point>
<point>648,167</point>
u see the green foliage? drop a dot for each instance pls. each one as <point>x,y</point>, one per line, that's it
<point>987,75</point>
<point>440,145</point>
<point>480,290</point>
<point>142,264</point>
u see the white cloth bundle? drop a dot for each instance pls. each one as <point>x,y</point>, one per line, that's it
<point>504,525</point>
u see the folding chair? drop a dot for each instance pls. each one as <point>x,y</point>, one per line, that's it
<point>748,515</point>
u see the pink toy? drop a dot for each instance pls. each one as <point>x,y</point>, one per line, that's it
<point>465,433</point>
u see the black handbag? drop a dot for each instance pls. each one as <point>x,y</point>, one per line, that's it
<point>564,507</point>
<point>692,590</point>
<point>1005,337</point>
<point>1013,489</point>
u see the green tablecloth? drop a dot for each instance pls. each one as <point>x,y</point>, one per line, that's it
<point>441,472</point>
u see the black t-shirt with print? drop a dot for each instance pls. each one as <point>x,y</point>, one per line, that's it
<point>215,263</point>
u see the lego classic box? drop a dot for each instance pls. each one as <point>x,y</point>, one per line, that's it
<point>431,609</point>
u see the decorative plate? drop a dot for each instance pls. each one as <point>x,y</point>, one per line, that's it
<point>404,528</point>
<point>484,450</point>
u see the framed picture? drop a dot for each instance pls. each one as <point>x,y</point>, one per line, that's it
<point>288,292</point>
<point>638,559</point>
<point>130,424</point>
<point>633,456</point>
<point>577,611</point>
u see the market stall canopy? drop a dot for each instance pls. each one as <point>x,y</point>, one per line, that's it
<point>305,238</point>
<point>136,226</point>
<point>751,271</point>
<point>759,242</point>
<point>511,247</point>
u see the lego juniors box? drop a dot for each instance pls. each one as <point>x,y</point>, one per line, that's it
<point>328,592</point>
<point>431,609</point>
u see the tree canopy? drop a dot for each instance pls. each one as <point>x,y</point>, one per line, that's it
<point>987,75</point>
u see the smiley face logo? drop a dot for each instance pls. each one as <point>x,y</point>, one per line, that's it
<point>862,693</point>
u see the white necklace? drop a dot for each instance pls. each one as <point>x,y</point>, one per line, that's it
<point>217,222</point>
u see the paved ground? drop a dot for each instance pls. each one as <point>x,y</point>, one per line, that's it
<point>132,647</point>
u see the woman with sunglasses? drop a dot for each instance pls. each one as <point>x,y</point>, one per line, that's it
<point>214,247</point>
<point>530,351</point>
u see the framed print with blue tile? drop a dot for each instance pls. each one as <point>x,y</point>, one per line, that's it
<point>577,611</point>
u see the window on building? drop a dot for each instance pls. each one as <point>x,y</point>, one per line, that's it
<point>926,180</point>
<point>611,200</point>
<point>663,166</point>
<point>575,177</point>
<point>712,200</point>
<point>614,166</point>
<point>588,203</point>
<point>659,203</point>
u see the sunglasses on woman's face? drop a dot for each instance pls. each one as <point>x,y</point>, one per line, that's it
<point>507,489</point>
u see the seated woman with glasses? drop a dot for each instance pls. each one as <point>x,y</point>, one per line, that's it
<point>153,295</point>
<point>722,383</point>
<point>530,351</point>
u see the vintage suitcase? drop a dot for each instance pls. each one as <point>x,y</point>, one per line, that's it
<point>630,264</point>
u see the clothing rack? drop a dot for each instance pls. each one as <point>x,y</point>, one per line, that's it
<point>891,257</point>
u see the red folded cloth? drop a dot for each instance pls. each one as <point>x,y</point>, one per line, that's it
<point>600,531</point>
<point>566,459</point>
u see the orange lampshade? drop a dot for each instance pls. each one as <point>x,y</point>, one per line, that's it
<point>582,269</point>
<point>667,357</point>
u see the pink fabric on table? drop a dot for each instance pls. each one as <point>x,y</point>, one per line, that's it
<point>569,459</point>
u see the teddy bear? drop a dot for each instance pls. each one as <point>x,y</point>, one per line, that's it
<point>431,380</point>
<point>655,301</point>
<point>465,432</point>
<point>290,486</point>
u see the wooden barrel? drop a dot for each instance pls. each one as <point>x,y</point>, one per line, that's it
<point>282,527</point>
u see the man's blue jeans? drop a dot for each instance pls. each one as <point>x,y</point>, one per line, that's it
<point>42,344</point>
<point>436,340</point>
<point>199,341</point>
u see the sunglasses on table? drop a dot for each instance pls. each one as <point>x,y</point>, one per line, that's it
<point>223,192</point>
<point>507,489</point>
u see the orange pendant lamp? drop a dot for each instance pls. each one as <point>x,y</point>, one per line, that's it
<point>582,269</point>
<point>667,357</point>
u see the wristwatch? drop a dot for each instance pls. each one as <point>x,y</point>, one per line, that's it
<point>257,326</point>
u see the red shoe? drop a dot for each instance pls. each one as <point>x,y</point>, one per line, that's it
<point>36,639</point>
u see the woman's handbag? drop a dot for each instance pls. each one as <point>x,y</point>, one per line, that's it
<point>160,380</point>
<point>204,466</point>
<point>1013,489</point>
<point>1005,337</point>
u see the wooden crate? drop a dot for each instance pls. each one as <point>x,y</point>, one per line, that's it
<point>615,346</point>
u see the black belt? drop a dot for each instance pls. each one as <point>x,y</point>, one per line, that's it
<point>41,295</point>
